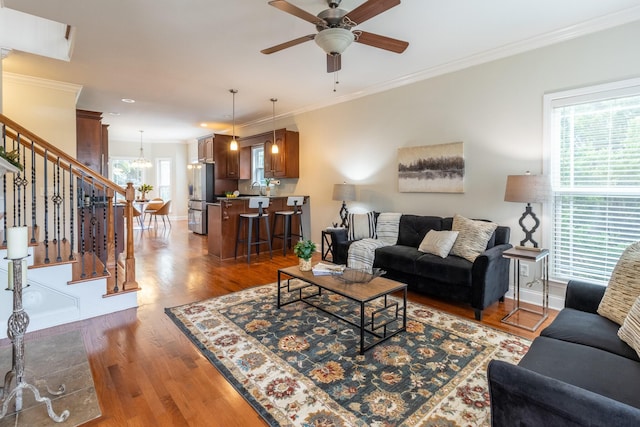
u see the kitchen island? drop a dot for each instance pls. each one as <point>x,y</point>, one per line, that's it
<point>223,219</point>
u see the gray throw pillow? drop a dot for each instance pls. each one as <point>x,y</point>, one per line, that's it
<point>473,237</point>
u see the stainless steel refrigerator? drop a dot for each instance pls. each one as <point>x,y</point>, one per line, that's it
<point>201,192</point>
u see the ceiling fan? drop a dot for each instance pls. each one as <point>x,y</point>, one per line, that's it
<point>334,29</point>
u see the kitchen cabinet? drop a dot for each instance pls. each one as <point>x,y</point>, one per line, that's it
<point>205,150</point>
<point>227,161</point>
<point>285,163</point>
<point>92,141</point>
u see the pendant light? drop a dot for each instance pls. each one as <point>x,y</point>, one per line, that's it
<point>141,162</point>
<point>274,146</point>
<point>233,145</point>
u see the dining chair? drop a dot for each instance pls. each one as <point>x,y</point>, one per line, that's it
<point>163,212</point>
<point>152,207</point>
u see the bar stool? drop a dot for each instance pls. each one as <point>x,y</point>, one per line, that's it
<point>287,234</point>
<point>259,203</point>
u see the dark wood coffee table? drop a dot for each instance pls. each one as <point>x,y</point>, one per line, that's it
<point>309,289</point>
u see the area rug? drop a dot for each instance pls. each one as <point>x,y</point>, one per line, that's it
<point>298,366</point>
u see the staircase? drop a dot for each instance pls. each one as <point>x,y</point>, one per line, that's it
<point>81,260</point>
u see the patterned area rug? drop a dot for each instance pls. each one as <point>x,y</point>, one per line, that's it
<point>298,366</point>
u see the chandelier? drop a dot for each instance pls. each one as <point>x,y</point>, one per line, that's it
<point>141,162</point>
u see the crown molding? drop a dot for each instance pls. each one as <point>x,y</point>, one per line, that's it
<point>43,83</point>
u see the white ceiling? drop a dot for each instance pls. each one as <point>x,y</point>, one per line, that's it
<point>179,58</point>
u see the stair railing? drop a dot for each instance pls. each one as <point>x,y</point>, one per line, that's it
<point>68,205</point>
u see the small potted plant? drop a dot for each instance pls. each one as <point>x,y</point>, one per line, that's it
<point>304,249</point>
<point>144,189</point>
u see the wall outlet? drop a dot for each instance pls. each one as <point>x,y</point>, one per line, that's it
<point>524,270</point>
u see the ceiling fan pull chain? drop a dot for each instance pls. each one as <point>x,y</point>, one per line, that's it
<point>335,80</point>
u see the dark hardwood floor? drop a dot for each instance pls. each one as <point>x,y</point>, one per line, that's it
<point>147,373</point>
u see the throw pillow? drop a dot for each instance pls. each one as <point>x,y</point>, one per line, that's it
<point>472,238</point>
<point>629,332</point>
<point>361,226</point>
<point>387,227</point>
<point>438,242</point>
<point>624,286</point>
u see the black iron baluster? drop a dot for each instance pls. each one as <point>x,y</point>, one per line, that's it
<point>15,176</point>
<point>33,194</point>
<point>24,184</point>
<point>4,188</point>
<point>104,232</point>
<point>64,206</point>
<point>81,208</point>
<point>71,214</point>
<point>46,207</point>
<point>115,244</point>
<point>57,200</point>
<point>94,223</point>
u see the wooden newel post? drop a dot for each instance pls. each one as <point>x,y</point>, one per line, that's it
<point>130,261</point>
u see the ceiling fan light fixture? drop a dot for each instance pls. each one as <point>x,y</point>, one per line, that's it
<point>274,146</point>
<point>334,40</point>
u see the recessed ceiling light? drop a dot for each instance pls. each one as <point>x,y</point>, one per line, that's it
<point>203,125</point>
<point>114,113</point>
<point>128,100</point>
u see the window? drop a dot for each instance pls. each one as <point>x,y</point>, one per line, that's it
<point>123,171</point>
<point>164,179</point>
<point>257,164</point>
<point>593,146</point>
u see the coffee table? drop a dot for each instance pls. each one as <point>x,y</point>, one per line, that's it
<point>309,288</point>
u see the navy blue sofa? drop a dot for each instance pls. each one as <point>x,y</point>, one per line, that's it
<point>576,373</point>
<point>479,283</point>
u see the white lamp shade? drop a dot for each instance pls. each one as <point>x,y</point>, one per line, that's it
<point>334,40</point>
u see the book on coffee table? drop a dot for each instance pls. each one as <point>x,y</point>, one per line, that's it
<point>324,269</point>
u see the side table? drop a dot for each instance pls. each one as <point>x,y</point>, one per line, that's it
<point>327,239</point>
<point>533,255</point>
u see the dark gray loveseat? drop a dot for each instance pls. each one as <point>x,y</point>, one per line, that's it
<point>576,373</point>
<point>480,283</point>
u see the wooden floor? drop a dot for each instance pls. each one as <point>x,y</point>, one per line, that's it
<point>147,373</point>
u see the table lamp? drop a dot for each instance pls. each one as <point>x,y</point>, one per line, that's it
<point>527,189</point>
<point>345,192</point>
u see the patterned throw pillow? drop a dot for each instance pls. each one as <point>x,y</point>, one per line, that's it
<point>624,286</point>
<point>629,332</point>
<point>361,226</point>
<point>472,238</point>
<point>438,242</point>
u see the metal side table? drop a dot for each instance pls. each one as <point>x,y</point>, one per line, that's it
<point>529,255</point>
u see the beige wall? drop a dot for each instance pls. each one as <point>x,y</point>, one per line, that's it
<point>494,108</point>
<point>45,107</point>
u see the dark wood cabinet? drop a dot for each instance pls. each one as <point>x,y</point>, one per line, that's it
<point>227,161</point>
<point>285,163</point>
<point>92,141</point>
<point>205,150</point>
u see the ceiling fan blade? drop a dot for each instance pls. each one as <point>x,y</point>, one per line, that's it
<point>369,9</point>
<point>334,63</point>
<point>290,43</point>
<point>295,11</point>
<point>381,42</point>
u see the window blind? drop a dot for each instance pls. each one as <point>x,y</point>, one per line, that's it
<point>595,176</point>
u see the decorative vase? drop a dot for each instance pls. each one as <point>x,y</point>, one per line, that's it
<point>268,191</point>
<point>143,196</point>
<point>304,264</point>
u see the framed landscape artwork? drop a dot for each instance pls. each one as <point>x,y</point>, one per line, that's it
<point>431,169</point>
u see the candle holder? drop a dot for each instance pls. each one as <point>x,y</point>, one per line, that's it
<point>16,328</point>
